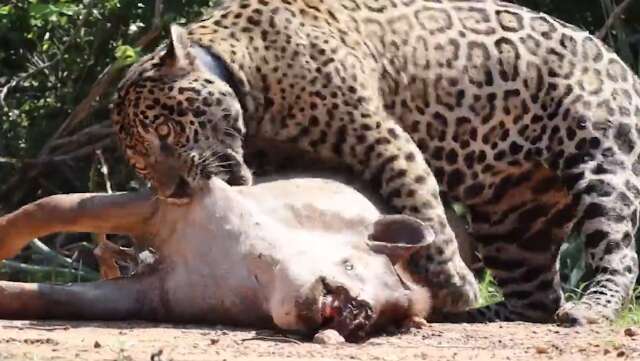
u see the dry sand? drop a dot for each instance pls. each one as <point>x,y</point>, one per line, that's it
<point>22,340</point>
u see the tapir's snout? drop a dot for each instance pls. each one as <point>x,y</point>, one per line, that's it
<point>327,306</point>
<point>350,316</point>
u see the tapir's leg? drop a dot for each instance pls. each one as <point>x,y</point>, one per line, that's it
<point>107,262</point>
<point>125,298</point>
<point>123,213</point>
<point>108,253</point>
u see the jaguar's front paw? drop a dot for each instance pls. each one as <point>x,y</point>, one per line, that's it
<point>574,314</point>
<point>460,294</point>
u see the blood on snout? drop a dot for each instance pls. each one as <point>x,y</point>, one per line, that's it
<point>329,307</point>
<point>351,317</point>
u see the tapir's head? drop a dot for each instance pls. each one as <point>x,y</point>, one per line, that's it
<point>354,287</point>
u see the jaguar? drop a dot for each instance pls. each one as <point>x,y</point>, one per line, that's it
<point>530,122</point>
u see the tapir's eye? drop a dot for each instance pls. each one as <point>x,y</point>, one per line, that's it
<point>347,265</point>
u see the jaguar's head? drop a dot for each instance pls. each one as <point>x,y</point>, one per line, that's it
<point>179,120</point>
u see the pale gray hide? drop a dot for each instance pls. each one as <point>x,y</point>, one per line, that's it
<point>299,255</point>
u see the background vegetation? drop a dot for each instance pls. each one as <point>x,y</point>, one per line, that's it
<point>59,63</point>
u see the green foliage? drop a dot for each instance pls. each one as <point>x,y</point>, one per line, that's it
<point>489,291</point>
<point>573,266</point>
<point>64,46</point>
<point>126,55</point>
<point>630,316</point>
<point>52,12</point>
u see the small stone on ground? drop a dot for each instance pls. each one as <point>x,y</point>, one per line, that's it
<point>328,337</point>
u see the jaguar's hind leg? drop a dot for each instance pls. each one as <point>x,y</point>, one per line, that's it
<point>608,219</point>
<point>523,261</point>
<point>528,277</point>
<point>520,227</point>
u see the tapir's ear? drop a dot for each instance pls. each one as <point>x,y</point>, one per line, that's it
<point>178,53</point>
<point>398,236</point>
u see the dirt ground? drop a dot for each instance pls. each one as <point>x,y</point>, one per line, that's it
<point>21,340</point>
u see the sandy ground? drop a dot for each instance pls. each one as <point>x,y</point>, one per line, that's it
<point>21,340</point>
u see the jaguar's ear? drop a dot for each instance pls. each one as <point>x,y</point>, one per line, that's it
<point>178,53</point>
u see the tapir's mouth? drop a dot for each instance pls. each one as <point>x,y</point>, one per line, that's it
<point>182,189</point>
<point>350,317</point>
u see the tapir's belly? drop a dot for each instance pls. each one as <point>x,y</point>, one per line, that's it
<point>194,295</point>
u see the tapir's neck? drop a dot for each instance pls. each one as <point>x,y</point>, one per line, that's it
<point>207,254</point>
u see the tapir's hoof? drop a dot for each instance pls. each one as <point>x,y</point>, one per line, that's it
<point>417,323</point>
<point>574,314</point>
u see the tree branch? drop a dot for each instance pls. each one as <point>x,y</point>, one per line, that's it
<point>82,152</point>
<point>104,169</point>
<point>615,14</point>
<point>86,135</point>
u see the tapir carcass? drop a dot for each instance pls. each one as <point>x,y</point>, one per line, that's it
<point>299,255</point>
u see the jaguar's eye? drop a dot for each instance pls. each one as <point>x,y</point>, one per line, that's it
<point>163,130</point>
<point>166,148</point>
